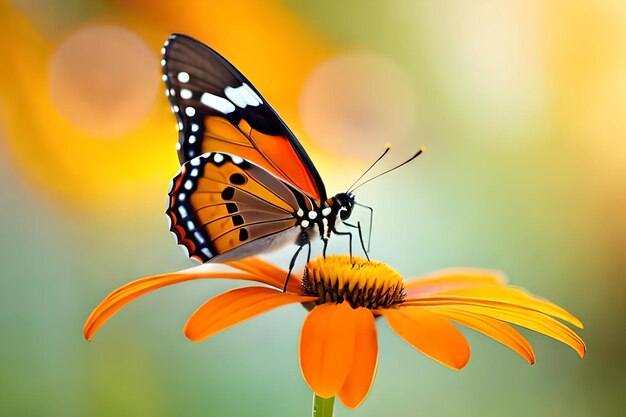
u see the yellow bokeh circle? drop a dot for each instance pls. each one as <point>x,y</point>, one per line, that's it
<point>102,79</point>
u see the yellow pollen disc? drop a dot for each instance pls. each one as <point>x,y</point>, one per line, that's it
<point>363,283</point>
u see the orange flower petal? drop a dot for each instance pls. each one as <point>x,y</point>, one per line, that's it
<point>127,293</point>
<point>363,369</point>
<point>520,316</point>
<point>235,306</point>
<point>274,275</point>
<point>327,345</point>
<point>447,279</point>
<point>493,328</point>
<point>429,333</point>
<point>518,297</point>
<point>498,300</point>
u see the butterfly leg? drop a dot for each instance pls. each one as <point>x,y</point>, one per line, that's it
<point>369,238</point>
<point>349,237</point>
<point>308,257</point>
<point>292,263</point>
<point>361,239</point>
<point>325,246</point>
<point>358,227</point>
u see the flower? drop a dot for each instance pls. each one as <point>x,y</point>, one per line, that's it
<point>338,343</point>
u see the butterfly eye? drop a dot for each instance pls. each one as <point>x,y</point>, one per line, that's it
<point>345,212</point>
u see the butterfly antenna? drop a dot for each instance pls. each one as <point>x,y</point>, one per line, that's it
<point>418,153</point>
<point>371,166</point>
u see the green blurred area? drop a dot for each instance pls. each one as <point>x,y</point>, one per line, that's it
<point>520,175</point>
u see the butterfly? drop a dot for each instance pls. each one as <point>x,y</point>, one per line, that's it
<point>246,185</point>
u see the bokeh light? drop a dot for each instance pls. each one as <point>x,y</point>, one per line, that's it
<point>104,79</point>
<point>499,45</point>
<point>358,98</point>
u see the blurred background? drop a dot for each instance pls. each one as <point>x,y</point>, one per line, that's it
<point>521,105</point>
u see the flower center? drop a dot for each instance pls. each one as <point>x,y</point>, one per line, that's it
<point>362,283</point>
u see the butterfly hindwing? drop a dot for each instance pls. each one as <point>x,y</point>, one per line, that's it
<point>224,207</point>
<point>219,110</point>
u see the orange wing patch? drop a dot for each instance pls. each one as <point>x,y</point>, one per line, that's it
<point>274,153</point>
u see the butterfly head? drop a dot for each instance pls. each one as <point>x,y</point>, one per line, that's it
<point>345,204</point>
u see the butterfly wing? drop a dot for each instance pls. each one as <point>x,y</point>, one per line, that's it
<point>219,110</point>
<point>223,207</point>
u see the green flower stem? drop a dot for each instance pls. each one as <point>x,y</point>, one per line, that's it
<point>323,407</point>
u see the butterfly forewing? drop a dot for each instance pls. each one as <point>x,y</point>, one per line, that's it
<point>219,110</point>
<point>224,207</point>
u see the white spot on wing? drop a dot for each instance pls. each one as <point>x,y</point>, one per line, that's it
<point>300,213</point>
<point>217,103</point>
<point>218,158</point>
<point>188,185</point>
<point>304,223</point>
<point>195,162</point>
<point>236,159</point>
<point>242,96</point>
<point>194,127</point>
<point>183,211</point>
<point>312,215</point>
<point>326,211</point>
<point>190,111</point>
<point>192,139</point>
<point>164,77</point>
<point>186,94</point>
<point>252,93</point>
<point>207,252</point>
<point>183,77</point>
<point>199,237</point>
<point>178,146</point>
